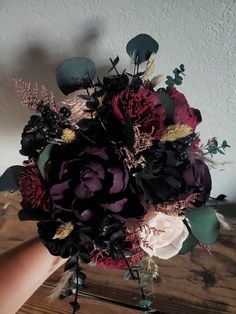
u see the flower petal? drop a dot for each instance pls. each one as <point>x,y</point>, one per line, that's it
<point>116,206</point>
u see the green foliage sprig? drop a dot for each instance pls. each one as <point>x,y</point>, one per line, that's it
<point>212,147</point>
<point>177,79</point>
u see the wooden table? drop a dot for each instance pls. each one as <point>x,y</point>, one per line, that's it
<point>197,283</point>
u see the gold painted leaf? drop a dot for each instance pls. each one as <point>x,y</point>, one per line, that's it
<point>173,132</point>
<point>63,231</point>
<point>156,80</point>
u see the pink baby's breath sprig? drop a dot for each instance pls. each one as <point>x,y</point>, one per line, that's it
<point>175,207</point>
<point>142,141</point>
<point>32,94</point>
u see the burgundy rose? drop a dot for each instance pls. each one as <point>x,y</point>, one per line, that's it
<point>143,107</point>
<point>86,182</point>
<point>183,113</point>
<point>32,188</point>
<point>198,180</point>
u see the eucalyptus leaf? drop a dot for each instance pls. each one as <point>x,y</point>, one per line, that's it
<point>75,73</point>
<point>145,303</point>
<point>212,149</point>
<point>71,263</point>
<point>9,179</point>
<point>43,158</point>
<point>145,277</point>
<point>221,197</point>
<point>170,81</point>
<point>142,285</point>
<point>127,275</point>
<point>178,80</point>
<point>204,224</point>
<point>224,144</point>
<point>188,244</point>
<point>182,67</point>
<point>141,47</point>
<point>220,151</point>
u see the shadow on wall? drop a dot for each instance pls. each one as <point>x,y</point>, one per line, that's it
<point>37,64</point>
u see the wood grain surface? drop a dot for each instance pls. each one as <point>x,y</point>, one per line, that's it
<point>197,283</point>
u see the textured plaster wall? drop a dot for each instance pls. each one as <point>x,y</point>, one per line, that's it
<point>36,35</point>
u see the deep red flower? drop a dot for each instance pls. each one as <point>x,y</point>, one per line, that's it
<point>131,248</point>
<point>183,113</point>
<point>143,107</point>
<point>32,188</point>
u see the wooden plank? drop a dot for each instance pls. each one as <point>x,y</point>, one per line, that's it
<point>197,283</point>
<point>89,305</point>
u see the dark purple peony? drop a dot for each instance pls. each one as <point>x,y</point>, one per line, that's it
<point>87,182</point>
<point>198,180</point>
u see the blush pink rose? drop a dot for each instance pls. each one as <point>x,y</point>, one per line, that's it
<point>162,235</point>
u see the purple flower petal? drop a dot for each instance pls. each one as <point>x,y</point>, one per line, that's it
<point>82,191</point>
<point>118,180</point>
<point>57,191</point>
<point>115,207</point>
<point>86,215</point>
<point>97,168</point>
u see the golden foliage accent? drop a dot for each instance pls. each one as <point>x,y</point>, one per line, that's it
<point>150,67</point>
<point>156,80</point>
<point>63,231</point>
<point>176,131</point>
<point>68,136</point>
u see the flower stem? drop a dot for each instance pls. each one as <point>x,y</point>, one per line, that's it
<point>77,287</point>
<point>126,262</point>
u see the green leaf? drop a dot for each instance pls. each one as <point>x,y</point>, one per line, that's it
<point>145,303</point>
<point>71,263</point>
<point>178,80</point>
<point>182,67</point>
<point>220,151</point>
<point>188,244</point>
<point>127,275</point>
<point>204,224</point>
<point>212,149</point>
<point>142,285</point>
<point>214,141</point>
<point>141,47</point>
<point>33,214</point>
<point>43,158</point>
<point>9,179</point>
<point>75,73</point>
<point>170,81</point>
<point>224,144</point>
<point>221,197</point>
<point>145,277</point>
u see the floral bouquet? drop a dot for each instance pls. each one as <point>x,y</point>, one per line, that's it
<point>116,175</point>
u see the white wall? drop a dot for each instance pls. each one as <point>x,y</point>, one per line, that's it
<point>37,34</point>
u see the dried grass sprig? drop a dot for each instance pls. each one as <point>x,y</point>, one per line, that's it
<point>60,287</point>
<point>225,225</point>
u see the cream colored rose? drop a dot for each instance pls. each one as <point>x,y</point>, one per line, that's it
<point>162,235</point>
